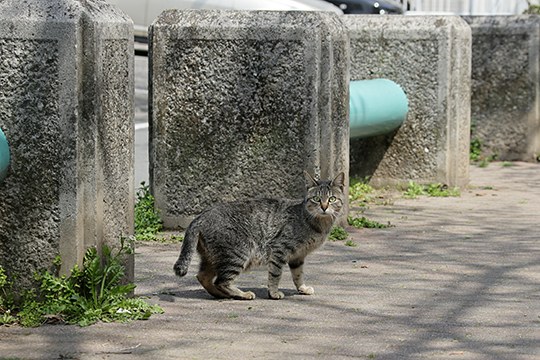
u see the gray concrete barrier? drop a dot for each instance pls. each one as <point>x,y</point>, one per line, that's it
<point>430,58</point>
<point>66,108</point>
<point>241,103</point>
<point>505,108</point>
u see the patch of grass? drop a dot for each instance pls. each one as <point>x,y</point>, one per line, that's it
<point>441,190</point>
<point>364,223</point>
<point>93,293</point>
<point>507,164</point>
<point>350,243</point>
<point>175,238</point>
<point>414,190</point>
<point>338,233</point>
<point>485,161</point>
<point>6,318</point>
<point>147,220</point>
<point>148,224</point>
<point>475,150</point>
<point>165,238</point>
<point>435,190</point>
<point>360,191</point>
<point>477,155</point>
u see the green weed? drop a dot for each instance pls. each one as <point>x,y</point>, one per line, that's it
<point>338,233</point>
<point>441,190</point>
<point>93,293</point>
<point>435,190</point>
<point>6,318</point>
<point>532,9</point>
<point>414,190</point>
<point>475,150</point>
<point>147,221</point>
<point>148,224</point>
<point>6,299</point>
<point>360,191</point>
<point>364,223</point>
<point>477,155</point>
<point>350,243</point>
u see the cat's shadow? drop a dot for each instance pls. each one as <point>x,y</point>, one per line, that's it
<point>173,295</point>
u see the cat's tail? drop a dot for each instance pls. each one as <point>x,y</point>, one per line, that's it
<point>191,238</point>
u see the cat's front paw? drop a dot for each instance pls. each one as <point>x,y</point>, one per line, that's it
<point>276,295</point>
<point>306,290</point>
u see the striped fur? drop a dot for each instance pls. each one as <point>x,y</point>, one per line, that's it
<point>232,237</point>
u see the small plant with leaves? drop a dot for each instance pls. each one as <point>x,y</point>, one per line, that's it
<point>475,150</point>
<point>6,300</point>
<point>364,223</point>
<point>148,224</point>
<point>360,191</point>
<point>147,221</point>
<point>441,190</point>
<point>415,190</point>
<point>93,293</point>
<point>532,9</point>
<point>477,155</point>
<point>338,233</point>
<point>350,243</point>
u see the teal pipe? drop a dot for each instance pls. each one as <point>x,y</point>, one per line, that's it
<point>4,156</point>
<point>376,106</point>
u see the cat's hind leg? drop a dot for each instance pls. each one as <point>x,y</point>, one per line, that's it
<point>225,284</point>
<point>297,272</point>
<point>228,288</point>
<point>206,277</point>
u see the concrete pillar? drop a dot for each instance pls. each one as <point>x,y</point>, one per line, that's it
<point>241,103</point>
<point>506,85</point>
<point>66,107</point>
<point>430,58</point>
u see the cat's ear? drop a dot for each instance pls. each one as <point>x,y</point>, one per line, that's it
<point>339,181</point>
<point>310,181</point>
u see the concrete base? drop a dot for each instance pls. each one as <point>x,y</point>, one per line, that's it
<point>429,57</point>
<point>506,85</point>
<point>66,84</point>
<point>241,104</point>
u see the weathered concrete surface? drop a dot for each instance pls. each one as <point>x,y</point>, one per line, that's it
<point>456,278</point>
<point>242,103</point>
<point>505,111</point>
<point>66,107</point>
<point>430,58</point>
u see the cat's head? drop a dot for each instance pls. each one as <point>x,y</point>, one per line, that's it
<point>325,198</point>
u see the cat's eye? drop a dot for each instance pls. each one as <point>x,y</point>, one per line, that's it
<point>332,199</point>
<point>316,199</point>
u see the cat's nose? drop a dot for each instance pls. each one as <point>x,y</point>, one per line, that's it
<point>324,206</point>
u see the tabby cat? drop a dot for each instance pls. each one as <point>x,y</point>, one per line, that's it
<point>233,237</point>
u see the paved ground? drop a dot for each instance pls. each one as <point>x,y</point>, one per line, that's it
<point>456,278</point>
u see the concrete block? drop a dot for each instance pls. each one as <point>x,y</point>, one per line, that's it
<point>505,105</point>
<point>66,107</point>
<point>241,103</point>
<point>430,58</point>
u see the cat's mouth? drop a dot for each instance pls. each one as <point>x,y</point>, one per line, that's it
<point>325,213</point>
